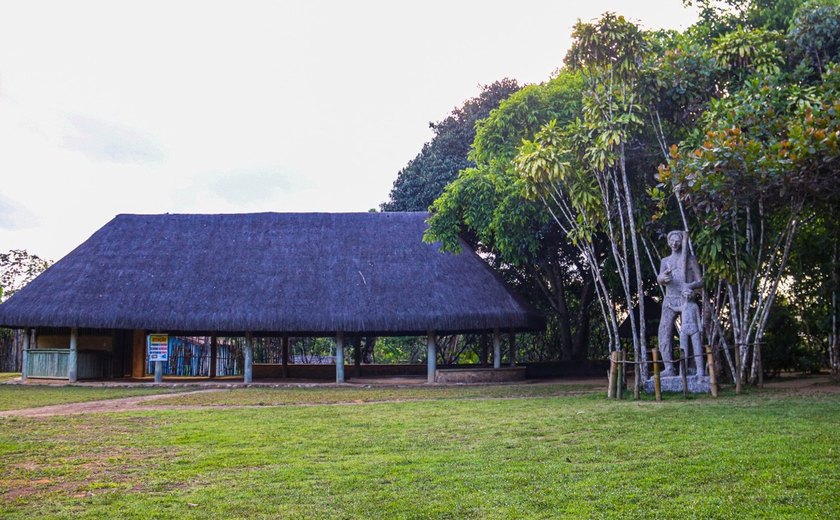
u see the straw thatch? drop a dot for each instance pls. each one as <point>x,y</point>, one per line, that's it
<point>305,273</point>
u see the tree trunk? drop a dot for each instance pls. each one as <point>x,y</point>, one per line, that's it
<point>367,350</point>
<point>483,351</point>
<point>564,321</point>
<point>833,347</point>
<point>580,347</point>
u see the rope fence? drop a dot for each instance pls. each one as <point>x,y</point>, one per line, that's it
<point>618,358</point>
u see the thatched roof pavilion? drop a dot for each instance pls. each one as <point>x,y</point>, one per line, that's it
<point>268,274</point>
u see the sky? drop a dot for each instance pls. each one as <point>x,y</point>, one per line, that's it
<point>246,106</point>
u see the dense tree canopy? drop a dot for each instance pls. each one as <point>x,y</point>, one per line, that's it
<point>729,130</point>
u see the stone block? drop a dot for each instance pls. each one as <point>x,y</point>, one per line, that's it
<point>696,384</point>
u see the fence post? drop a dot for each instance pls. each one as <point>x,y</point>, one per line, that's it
<point>657,382</point>
<point>619,391</point>
<point>710,359</point>
<point>637,384</point>
<point>611,377</point>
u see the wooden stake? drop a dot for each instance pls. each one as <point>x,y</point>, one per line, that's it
<point>619,391</point>
<point>737,369</point>
<point>657,381</point>
<point>710,359</point>
<point>637,383</point>
<point>612,376</point>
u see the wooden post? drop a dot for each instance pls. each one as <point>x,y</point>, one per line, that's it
<point>25,356</point>
<point>73,360</point>
<point>248,377</point>
<point>431,357</point>
<point>657,381</point>
<point>737,369</point>
<point>138,358</point>
<point>760,364</point>
<point>512,349</point>
<point>284,348</point>
<point>497,349</point>
<point>611,377</point>
<point>710,359</point>
<point>339,357</point>
<point>214,356</point>
<point>637,384</point>
<point>619,390</point>
<point>684,372</point>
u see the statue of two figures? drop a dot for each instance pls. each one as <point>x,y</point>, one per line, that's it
<point>680,275</point>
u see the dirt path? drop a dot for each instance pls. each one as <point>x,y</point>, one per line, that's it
<point>123,404</point>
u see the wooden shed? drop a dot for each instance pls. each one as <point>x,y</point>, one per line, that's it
<point>262,274</point>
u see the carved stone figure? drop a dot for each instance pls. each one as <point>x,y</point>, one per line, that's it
<point>680,274</point>
<point>690,331</point>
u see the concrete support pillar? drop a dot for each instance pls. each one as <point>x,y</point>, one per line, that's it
<point>73,360</point>
<point>214,356</point>
<point>339,357</point>
<point>25,357</point>
<point>158,371</point>
<point>512,349</point>
<point>497,349</point>
<point>249,359</point>
<point>431,357</point>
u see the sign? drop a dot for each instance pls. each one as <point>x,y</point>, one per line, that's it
<point>158,347</point>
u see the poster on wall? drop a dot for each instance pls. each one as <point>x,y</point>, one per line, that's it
<point>158,347</point>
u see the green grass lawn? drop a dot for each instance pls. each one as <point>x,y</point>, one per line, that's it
<point>16,397</point>
<point>256,396</point>
<point>765,454</point>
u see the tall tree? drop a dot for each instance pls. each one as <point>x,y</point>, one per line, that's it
<point>487,205</point>
<point>764,163</point>
<point>18,267</point>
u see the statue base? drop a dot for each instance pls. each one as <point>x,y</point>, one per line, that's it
<point>696,384</point>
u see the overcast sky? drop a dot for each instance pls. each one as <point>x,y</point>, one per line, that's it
<point>219,107</point>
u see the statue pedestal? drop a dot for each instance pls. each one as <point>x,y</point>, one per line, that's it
<point>696,384</point>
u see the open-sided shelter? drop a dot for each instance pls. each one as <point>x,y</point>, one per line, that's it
<point>262,274</point>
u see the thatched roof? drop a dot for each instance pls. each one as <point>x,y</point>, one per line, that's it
<point>305,273</point>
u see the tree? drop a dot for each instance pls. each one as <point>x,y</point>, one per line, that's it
<point>487,205</point>
<point>768,162</point>
<point>18,267</point>
<point>423,179</point>
<point>581,173</point>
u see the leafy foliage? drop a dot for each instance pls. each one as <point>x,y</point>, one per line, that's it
<point>18,267</point>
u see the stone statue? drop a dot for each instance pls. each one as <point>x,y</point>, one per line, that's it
<point>690,331</point>
<point>680,274</point>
